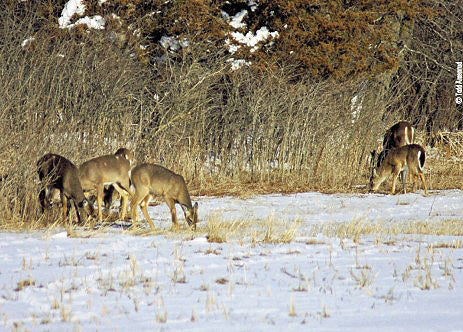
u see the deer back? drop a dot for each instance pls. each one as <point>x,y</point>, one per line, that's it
<point>58,172</point>
<point>400,134</point>
<point>104,169</point>
<point>161,181</point>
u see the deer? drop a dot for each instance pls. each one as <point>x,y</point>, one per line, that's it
<point>112,169</point>
<point>152,179</point>
<point>410,156</point>
<point>400,134</point>
<point>58,173</point>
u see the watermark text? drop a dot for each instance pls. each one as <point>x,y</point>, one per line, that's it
<point>459,83</point>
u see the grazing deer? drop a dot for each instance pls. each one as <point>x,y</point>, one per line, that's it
<point>400,134</point>
<point>58,173</point>
<point>110,169</point>
<point>412,156</point>
<point>151,179</point>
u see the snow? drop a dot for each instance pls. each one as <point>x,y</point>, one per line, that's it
<point>114,280</point>
<point>27,41</point>
<point>72,7</point>
<point>95,22</point>
<point>172,43</point>
<point>77,7</point>
<point>238,63</point>
<point>251,39</point>
<point>236,21</point>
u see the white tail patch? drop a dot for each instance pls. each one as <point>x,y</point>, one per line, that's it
<point>419,161</point>
<point>407,139</point>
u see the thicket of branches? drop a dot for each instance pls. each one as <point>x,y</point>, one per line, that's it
<point>424,87</point>
<point>410,47</point>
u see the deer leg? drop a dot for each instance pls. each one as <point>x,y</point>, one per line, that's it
<point>78,212</point>
<point>404,178</point>
<point>171,203</point>
<point>395,174</point>
<point>64,201</point>
<point>124,198</point>
<point>424,184</point>
<point>144,209</point>
<point>42,200</point>
<point>137,198</point>
<point>133,208</point>
<point>99,199</point>
<point>414,179</point>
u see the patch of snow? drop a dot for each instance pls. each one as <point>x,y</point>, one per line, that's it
<point>77,7</point>
<point>96,22</point>
<point>238,63</point>
<point>251,39</point>
<point>236,21</point>
<point>182,282</point>
<point>60,235</point>
<point>173,43</point>
<point>27,41</point>
<point>71,8</point>
<point>253,5</point>
<point>232,48</point>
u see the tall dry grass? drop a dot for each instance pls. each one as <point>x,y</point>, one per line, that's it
<point>248,131</point>
<point>66,93</point>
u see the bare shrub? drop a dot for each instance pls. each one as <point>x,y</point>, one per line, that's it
<point>65,93</point>
<point>257,127</point>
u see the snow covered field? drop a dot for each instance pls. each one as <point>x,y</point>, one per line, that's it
<point>115,281</point>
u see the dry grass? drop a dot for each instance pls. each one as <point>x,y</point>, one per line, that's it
<point>355,230</point>
<point>271,231</point>
<point>275,231</point>
<point>268,231</point>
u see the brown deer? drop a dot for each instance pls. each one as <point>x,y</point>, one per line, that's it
<point>112,170</point>
<point>410,156</point>
<point>151,179</point>
<point>400,134</point>
<point>58,173</point>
